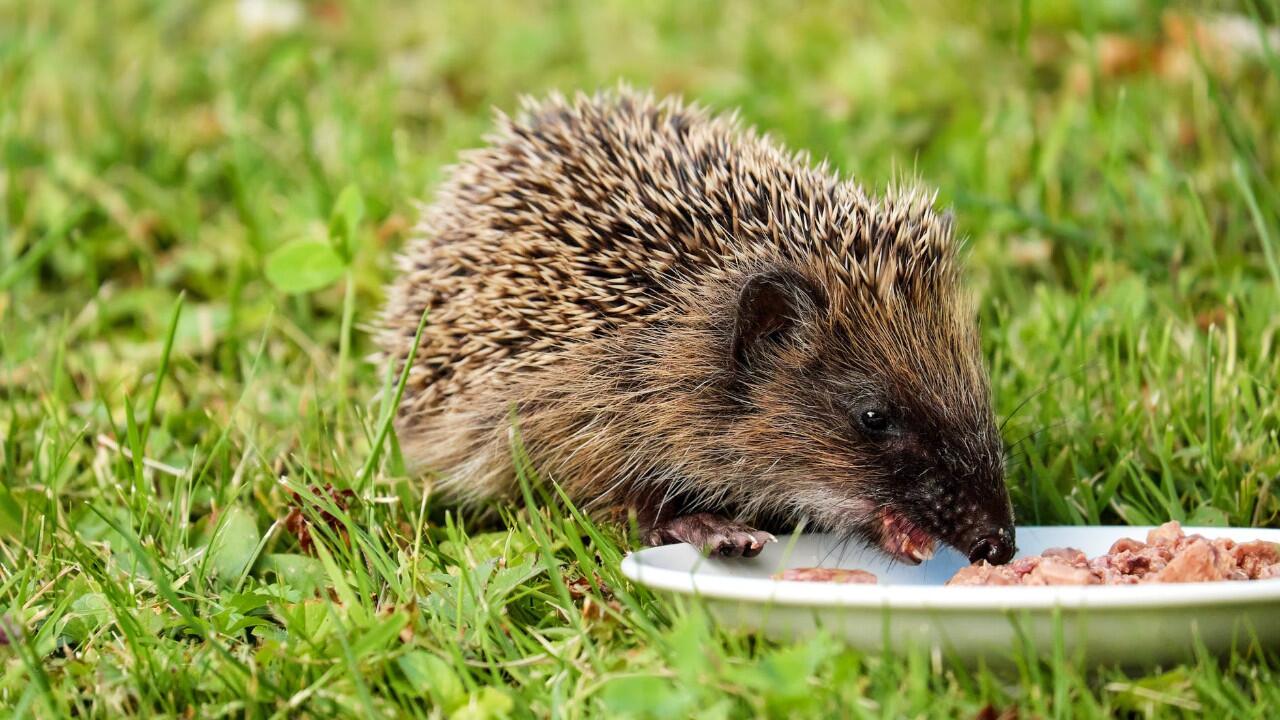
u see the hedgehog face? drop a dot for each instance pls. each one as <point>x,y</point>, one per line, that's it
<point>883,408</point>
<point>931,458</point>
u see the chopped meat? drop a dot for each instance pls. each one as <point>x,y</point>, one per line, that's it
<point>1128,562</point>
<point>1169,555</point>
<point>1126,544</point>
<point>1070,556</point>
<point>1111,576</point>
<point>1254,557</point>
<point>1056,571</point>
<point>1167,534</point>
<point>1224,544</point>
<point>1198,563</point>
<point>1022,566</point>
<point>819,574</point>
<point>984,573</point>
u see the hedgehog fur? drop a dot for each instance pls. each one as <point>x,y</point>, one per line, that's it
<point>586,269</point>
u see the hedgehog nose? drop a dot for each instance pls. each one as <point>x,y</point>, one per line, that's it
<point>996,548</point>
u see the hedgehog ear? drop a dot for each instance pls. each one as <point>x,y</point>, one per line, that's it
<point>771,305</point>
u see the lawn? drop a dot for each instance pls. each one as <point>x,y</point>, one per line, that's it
<point>202,515</point>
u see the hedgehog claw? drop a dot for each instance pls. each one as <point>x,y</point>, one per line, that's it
<point>712,534</point>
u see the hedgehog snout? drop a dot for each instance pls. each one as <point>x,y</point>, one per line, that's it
<point>969,514</point>
<point>996,548</point>
<point>987,533</point>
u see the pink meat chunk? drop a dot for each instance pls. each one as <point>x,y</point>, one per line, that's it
<point>1070,556</point>
<point>1168,555</point>
<point>984,573</point>
<point>1256,557</point>
<point>1126,544</point>
<point>1167,534</point>
<point>1199,562</point>
<point>1057,571</point>
<point>818,574</point>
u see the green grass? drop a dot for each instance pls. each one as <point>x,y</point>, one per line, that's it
<point>161,400</point>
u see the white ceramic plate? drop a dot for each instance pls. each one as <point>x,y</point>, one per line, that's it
<point>1130,625</point>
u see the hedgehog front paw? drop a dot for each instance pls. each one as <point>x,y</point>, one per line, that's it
<point>712,534</point>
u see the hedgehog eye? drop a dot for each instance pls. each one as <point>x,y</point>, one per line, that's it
<point>875,421</point>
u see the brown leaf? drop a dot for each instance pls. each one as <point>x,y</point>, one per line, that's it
<point>393,227</point>
<point>1120,55</point>
<point>1209,318</point>
<point>578,588</point>
<point>989,712</point>
<point>330,13</point>
<point>299,524</point>
<point>593,610</point>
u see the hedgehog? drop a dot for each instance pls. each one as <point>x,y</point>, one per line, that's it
<point>696,327</point>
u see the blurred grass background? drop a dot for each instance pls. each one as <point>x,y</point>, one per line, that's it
<point>1110,162</point>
